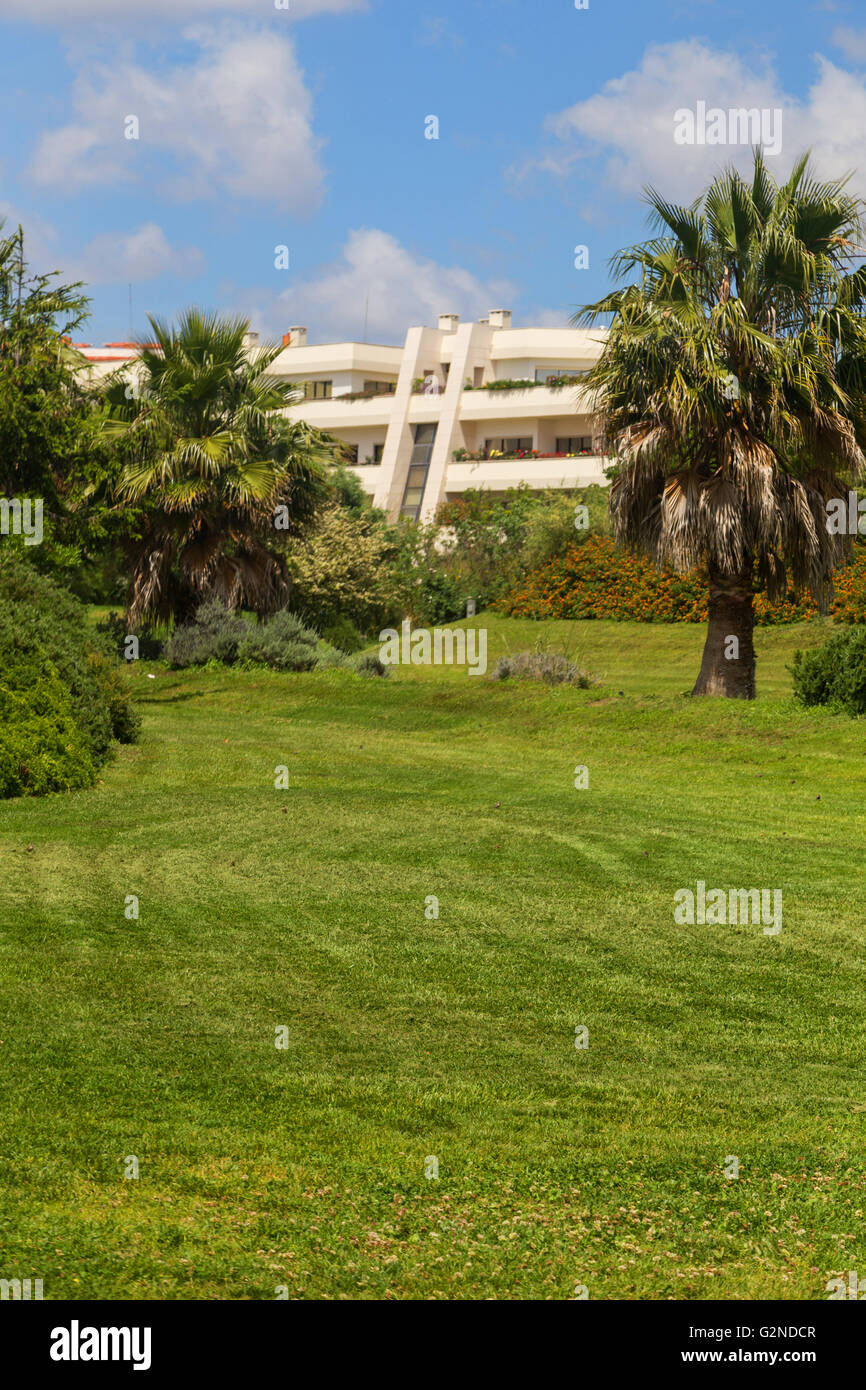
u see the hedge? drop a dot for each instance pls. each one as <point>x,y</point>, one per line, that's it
<point>598,580</point>
<point>63,700</point>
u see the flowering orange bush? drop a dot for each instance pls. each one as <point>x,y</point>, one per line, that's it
<point>597,580</point>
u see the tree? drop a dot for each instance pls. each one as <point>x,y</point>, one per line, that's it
<point>731,389</point>
<point>42,407</point>
<point>225,477</point>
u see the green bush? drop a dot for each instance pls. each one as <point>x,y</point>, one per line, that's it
<point>342,570</point>
<point>123,716</point>
<point>331,658</point>
<point>835,673</point>
<point>370,665</point>
<point>439,598</point>
<point>116,629</point>
<point>552,527</point>
<point>488,543</point>
<point>343,635</point>
<point>64,700</point>
<point>213,635</point>
<point>42,748</point>
<point>283,642</point>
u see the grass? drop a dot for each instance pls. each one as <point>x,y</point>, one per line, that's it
<point>411,1038</point>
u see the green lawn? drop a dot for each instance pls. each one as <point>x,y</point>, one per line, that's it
<point>410,1038</point>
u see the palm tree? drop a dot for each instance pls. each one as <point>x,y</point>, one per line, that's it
<point>730,389</point>
<point>222,475</point>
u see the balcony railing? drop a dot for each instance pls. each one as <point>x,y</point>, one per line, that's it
<point>369,395</point>
<point>495,455</point>
<point>555,383</point>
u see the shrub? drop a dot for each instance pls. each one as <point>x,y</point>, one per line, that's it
<point>554,668</point>
<point>834,674</point>
<point>213,635</point>
<point>489,543</point>
<point>599,580</point>
<point>283,643</point>
<point>438,598</point>
<point>340,571</point>
<point>370,665</point>
<point>42,748</point>
<point>124,717</point>
<point>551,529</point>
<point>351,496</point>
<point>849,601</point>
<point>293,656</point>
<point>115,628</point>
<point>343,635</point>
<point>64,699</point>
<point>507,383</point>
<point>331,658</point>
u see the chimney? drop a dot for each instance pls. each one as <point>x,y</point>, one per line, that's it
<point>500,318</point>
<point>251,341</point>
<point>296,337</point>
<point>448,323</point>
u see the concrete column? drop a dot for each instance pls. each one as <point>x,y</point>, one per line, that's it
<point>422,350</point>
<point>471,350</point>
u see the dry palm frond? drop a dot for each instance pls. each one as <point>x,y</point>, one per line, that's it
<point>732,382</point>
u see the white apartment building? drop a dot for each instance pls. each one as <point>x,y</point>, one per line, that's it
<point>425,422</point>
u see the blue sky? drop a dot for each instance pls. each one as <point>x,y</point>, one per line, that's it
<point>304,127</point>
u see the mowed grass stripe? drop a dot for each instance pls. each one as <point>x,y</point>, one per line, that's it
<point>454,1037</point>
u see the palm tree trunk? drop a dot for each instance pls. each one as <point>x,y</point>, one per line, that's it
<point>728,664</point>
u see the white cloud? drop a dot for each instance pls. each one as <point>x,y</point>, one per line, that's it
<point>628,125</point>
<point>236,122</point>
<point>550,318</point>
<point>630,122</point>
<point>109,259</point>
<point>131,257</point>
<point>404,289</point>
<point>831,124</point>
<point>74,12</point>
<point>852,42</point>
<point>40,238</point>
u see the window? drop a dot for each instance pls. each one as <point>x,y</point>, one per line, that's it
<point>551,373</point>
<point>419,466</point>
<point>317,390</point>
<point>509,446</point>
<point>380,388</point>
<point>575,444</point>
<point>478,376</point>
<point>350,453</point>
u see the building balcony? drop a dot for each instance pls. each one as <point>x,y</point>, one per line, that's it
<point>526,403</point>
<point>528,455</point>
<point>336,414</point>
<point>554,471</point>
